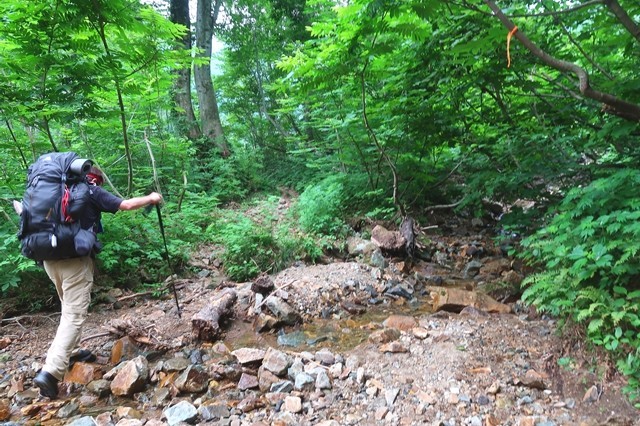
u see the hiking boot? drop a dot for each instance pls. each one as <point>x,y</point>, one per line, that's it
<point>47,383</point>
<point>83,355</point>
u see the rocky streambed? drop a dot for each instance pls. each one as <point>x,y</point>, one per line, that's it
<point>374,340</point>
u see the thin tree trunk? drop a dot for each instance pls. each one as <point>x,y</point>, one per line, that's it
<point>123,119</point>
<point>179,14</point>
<point>206,17</point>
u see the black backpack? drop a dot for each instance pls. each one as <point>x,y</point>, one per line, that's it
<point>54,201</point>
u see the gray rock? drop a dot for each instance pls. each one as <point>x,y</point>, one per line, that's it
<point>183,411</point>
<point>83,421</point>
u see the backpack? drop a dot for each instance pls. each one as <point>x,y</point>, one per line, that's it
<point>53,203</point>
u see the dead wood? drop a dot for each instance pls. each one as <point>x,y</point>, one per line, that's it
<point>163,289</point>
<point>408,232</point>
<point>205,324</point>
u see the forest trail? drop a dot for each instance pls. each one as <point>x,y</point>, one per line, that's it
<point>371,350</point>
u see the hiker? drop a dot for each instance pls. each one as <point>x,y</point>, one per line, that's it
<point>73,279</point>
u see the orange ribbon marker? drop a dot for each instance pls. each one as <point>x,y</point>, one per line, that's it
<point>511,33</point>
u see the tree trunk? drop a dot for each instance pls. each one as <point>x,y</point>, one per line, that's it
<point>209,116</point>
<point>179,14</point>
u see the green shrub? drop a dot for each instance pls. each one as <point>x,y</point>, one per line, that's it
<point>589,256</point>
<point>319,208</point>
<point>257,241</point>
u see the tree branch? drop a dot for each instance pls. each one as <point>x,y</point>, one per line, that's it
<point>612,104</point>
<point>623,17</point>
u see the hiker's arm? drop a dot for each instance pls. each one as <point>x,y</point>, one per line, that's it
<point>139,202</point>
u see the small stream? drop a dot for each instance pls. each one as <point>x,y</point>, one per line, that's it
<point>337,334</point>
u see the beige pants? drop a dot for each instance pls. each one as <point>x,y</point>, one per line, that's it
<point>73,279</point>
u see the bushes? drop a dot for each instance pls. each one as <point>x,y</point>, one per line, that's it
<point>319,207</point>
<point>589,253</point>
<point>255,242</point>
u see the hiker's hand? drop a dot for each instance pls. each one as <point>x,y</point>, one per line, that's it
<point>155,198</point>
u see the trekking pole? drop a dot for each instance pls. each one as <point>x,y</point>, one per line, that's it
<point>166,251</point>
<point>164,238</point>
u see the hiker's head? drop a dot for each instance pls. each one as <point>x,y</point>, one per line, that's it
<point>95,176</point>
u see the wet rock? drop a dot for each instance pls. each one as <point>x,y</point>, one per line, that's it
<point>131,378</point>
<point>294,339</point>
<point>352,307</point>
<point>384,336</point>
<point>183,411</point>
<point>264,322</point>
<point>283,311</point>
<point>454,300</point>
<point>399,290</point>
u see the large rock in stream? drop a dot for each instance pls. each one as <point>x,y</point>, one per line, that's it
<point>455,300</point>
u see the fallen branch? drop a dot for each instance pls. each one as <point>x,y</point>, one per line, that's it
<point>95,336</point>
<point>22,317</point>
<point>148,293</point>
<point>206,323</point>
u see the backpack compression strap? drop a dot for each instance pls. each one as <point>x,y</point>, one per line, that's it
<point>64,205</point>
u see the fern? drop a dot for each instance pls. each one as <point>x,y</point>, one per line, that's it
<point>588,254</point>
